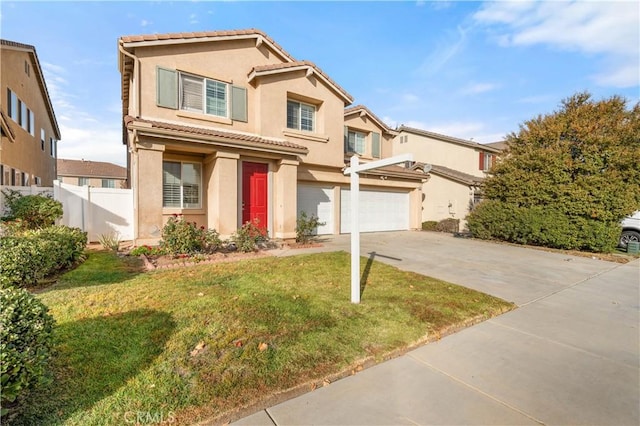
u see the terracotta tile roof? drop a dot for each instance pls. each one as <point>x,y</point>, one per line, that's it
<point>87,168</point>
<point>358,108</point>
<point>194,36</point>
<point>393,171</point>
<point>215,133</point>
<point>456,175</point>
<point>284,67</point>
<point>447,138</point>
<point>40,76</point>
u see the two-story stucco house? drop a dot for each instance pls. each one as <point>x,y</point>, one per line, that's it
<point>458,168</point>
<point>29,130</point>
<point>225,127</point>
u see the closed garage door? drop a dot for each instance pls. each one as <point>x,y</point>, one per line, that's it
<point>379,211</point>
<point>317,200</point>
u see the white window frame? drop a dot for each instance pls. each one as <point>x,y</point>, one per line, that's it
<point>82,181</point>
<point>296,121</point>
<point>204,108</point>
<point>14,105</point>
<point>32,122</point>
<point>182,187</point>
<point>24,121</point>
<point>363,142</point>
<point>110,183</point>
<point>487,161</point>
<point>52,146</point>
<point>43,137</point>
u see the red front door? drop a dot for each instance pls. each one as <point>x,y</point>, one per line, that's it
<point>254,193</point>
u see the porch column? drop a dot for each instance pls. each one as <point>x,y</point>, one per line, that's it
<point>222,193</point>
<point>148,185</point>
<point>285,203</point>
<point>415,208</point>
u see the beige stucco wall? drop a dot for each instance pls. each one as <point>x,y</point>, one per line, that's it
<point>435,151</point>
<point>25,153</point>
<point>445,199</point>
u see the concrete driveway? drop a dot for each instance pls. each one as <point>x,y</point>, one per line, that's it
<point>568,355</point>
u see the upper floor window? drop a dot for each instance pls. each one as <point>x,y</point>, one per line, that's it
<point>43,137</point>
<point>32,122</point>
<point>24,116</point>
<point>12,105</point>
<point>300,116</point>
<point>486,161</point>
<point>52,147</point>
<point>181,183</point>
<point>177,90</point>
<point>355,142</point>
<point>203,95</point>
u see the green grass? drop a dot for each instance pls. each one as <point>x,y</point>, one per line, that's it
<point>124,340</point>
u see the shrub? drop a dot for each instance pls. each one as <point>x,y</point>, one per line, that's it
<point>448,225</point>
<point>110,241</point>
<point>249,236</point>
<point>146,250</point>
<point>182,237</point>
<point>33,211</point>
<point>542,226</point>
<point>26,259</point>
<point>306,227</point>
<point>429,225</point>
<point>25,343</point>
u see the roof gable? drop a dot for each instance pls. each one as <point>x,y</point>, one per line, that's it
<point>307,66</point>
<point>31,50</point>
<point>446,138</point>
<point>362,111</point>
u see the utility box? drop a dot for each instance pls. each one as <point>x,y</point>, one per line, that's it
<point>633,247</point>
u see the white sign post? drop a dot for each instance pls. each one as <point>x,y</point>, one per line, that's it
<point>354,170</point>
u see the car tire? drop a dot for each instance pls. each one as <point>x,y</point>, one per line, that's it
<point>627,236</point>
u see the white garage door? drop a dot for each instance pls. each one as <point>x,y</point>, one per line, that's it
<point>379,211</point>
<point>317,200</point>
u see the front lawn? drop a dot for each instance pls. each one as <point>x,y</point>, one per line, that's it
<point>195,343</point>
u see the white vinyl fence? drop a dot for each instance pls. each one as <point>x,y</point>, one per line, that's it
<point>97,211</point>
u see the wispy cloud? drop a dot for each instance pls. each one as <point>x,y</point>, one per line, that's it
<point>478,88</point>
<point>610,29</point>
<point>145,23</point>
<point>193,19</point>
<point>444,53</point>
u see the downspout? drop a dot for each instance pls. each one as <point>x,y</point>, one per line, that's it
<point>136,77</point>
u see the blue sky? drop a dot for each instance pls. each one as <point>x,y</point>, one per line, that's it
<point>466,69</point>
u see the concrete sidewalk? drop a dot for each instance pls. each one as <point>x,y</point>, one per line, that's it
<point>568,355</point>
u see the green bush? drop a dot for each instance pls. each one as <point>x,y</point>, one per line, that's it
<point>33,211</point>
<point>182,237</point>
<point>306,227</point>
<point>146,250</point>
<point>448,225</point>
<point>25,343</point>
<point>249,236</point>
<point>25,259</point>
<point>541,226</point>
<point>429,225</point>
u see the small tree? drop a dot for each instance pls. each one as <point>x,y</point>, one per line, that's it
<point>573,174</point>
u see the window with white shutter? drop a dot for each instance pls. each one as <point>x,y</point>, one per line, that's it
<point>301,116</point>
<point>181,184</point>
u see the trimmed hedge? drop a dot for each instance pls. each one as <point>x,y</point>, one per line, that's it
<point>25,343</point>
<point>541,226</point>
<point>26,259</point>
<point>32,211</point>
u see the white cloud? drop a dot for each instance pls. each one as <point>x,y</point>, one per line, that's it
<point>83,134</point>
<point>609,29</point>
<point>193,19</point>
<point>410,98</point>
<point>444,53</point>
<point>477,88</point>
<point>145,23</point>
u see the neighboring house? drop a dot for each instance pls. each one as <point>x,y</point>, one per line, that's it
<point>92,173</point>
<point>458,168</point>
<point>29,130</point>
<point>225,127</point>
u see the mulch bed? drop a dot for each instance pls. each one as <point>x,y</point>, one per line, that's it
<point>168,262</point>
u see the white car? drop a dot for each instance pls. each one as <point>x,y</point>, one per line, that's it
<point>630,229</point>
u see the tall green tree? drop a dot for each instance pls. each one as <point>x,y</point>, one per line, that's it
<point>567,178</point>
